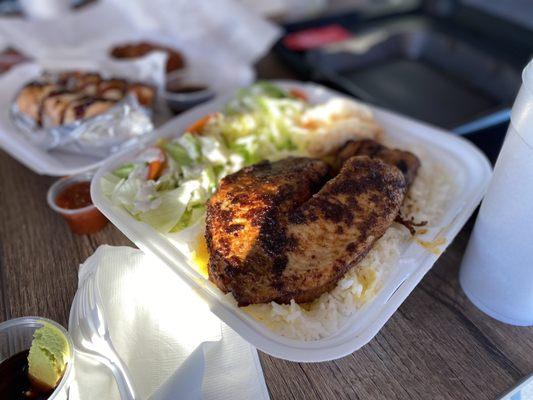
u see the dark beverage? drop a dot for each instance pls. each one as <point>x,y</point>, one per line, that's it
<point>14,380</point>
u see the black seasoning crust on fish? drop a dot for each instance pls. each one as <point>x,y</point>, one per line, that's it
<point>405,161</point>
<point>281,231</point>
<point>339,225</point>
<point>246,221</point>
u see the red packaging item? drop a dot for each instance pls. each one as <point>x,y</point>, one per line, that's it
<point>316,37</point>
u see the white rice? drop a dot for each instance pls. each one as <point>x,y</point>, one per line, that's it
<point>425,201</point>
<point>325,316</point>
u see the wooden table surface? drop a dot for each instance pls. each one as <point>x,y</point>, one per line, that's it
<point>436,346</point>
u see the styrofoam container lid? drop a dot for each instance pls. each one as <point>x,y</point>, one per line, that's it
<point>469,167</point>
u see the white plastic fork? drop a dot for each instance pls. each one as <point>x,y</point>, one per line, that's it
<point>92,335</point>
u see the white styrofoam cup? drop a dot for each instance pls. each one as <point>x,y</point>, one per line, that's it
<point>497,269</point>
<point>45,9</point>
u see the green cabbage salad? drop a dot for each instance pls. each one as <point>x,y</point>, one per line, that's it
<point>167,185</point>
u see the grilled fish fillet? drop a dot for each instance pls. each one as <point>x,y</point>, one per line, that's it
<point>276,232</point>
<point>245,224</point>
<point>405,161</point>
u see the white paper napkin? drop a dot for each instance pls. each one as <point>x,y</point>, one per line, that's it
<point>156,322</point>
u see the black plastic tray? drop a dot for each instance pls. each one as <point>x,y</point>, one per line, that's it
<point>420,69</point>
<point>458,69</point>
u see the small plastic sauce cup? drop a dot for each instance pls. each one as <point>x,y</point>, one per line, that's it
<point>84,220</point>
<point>183,92</point>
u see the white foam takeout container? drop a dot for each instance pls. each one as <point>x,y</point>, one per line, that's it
<point>469,167</point>
<point>56,162</point>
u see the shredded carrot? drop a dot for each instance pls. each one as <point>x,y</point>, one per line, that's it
<point>155,168</point>
<point>299,94</point>
<point>198,126</point>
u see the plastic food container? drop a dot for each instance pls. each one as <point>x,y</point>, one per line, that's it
<point>82,221</point>
<point>16,335</point>
<point>183,100</point>
<point>469,167</point>
<point>229,77</point>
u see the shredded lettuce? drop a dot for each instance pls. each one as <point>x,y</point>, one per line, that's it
<point>260,123</point>
<point>125,193</point>
<point>108,184</point>
<point>124,170</point>
<point>189,218</point>
<point>178,153</point>
<point>172,205</point>
<point>192,145</point>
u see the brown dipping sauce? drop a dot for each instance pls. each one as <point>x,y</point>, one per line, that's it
<point>183,88</point>
<point>15,383</point>
<point>77,195</point>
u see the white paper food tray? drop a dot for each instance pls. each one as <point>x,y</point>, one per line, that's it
<point>469,167</point>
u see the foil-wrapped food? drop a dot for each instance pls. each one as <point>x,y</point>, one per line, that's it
<point>84,112</point>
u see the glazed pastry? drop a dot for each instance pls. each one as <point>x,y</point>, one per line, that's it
<point>112,89</point>
<point>90,89</point>
<point>77,80</point>
<point>86,83</point>
<point>94,108</point>
<point>175,59</point>
<point>30,98</point>
<point>54,105</point>
<point>85,108</point>
<point>145,94</point>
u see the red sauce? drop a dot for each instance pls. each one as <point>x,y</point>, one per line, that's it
<point>75,197</point>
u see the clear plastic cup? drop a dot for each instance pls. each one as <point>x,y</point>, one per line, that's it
<point>16,335</point>
<point>82,221</point>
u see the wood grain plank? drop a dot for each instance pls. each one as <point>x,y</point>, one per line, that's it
<point>39,256</point>
<point>4,311</point>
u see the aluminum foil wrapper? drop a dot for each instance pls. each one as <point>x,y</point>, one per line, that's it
<point>121,126</point>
